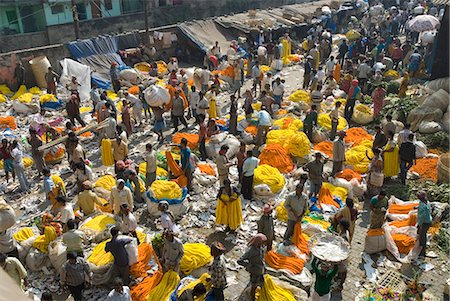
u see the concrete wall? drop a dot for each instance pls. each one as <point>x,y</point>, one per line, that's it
<point>158,16</point>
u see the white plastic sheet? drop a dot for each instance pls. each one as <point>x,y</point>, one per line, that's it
<point>81,72</point>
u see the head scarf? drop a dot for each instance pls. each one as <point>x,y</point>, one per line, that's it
<point>258,240</point>
<point>355,82</point>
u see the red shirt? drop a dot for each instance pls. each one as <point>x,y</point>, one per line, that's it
<point>5,153</point>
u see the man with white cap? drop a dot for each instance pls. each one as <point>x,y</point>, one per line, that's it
<point>120,195</point>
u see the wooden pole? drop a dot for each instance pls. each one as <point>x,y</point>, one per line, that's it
<point>76,24</point>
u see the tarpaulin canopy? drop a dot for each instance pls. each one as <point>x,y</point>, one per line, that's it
<point>205,33</point>
<point>98,53</point>
<point>81,72</point>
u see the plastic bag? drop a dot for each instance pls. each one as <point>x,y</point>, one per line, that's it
<point>266,174</point>
<point>36,260</point>
<point>7,216</point>
<point>57,253</point>
<point>195,255</point>
<point>156,96</point>
<point>429,127</point>
<point>375,241</point>
<point>132,251</point>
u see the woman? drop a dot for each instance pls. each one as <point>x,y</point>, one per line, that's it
<point>390,154</point>
<point>38,156</point>
<point>233,116</point>
<point>229,208</point>
<point>348,213</point>
<point>346,82</point>
<point>211,128</point>
<point>126,117</point>
<point>378,95</point>
<point>167,218</point>
<point>159,122</point>
<point>212,111</point>
<point>353,94</point>
<point>403,85</point>
<point>253,261</point>
<point>375,167</point>
<point>248,101</point>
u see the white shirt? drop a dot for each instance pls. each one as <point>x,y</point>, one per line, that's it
<point>115,296</point>
<point>278,89</point>
<point>84,176</point>
<point>329,66</point>
<point>167,223</point>
<point>136,103</point>
<point>129,223</point>
<point>182,78</point>
<point>202,104</point>
<point>403,136</point>
<point>320,75</point>
<point>378,67</point>
<point>265,81</point>
<point>262,51</point>
<point>67,213</point>
<point>17,155</point>
<point>206,74</point>
<point>363,71</point>
<point>194,98</point>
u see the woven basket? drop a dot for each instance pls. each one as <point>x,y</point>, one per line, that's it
<point>444,168</point>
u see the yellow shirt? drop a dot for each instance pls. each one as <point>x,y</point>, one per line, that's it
<point>14,268</point>
<point>120,151</point>
<point>87,200</point>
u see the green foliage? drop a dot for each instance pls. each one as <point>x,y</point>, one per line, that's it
<point>399,108</point>
<point>392,87</point>
<point>442,239</point>
<point>439,140</point>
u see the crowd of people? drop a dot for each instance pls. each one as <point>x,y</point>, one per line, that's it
<point>357,68</point>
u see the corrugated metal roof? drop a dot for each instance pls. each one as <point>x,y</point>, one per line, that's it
<point>441,2</point>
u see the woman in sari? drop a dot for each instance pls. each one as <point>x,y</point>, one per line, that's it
<point>390,154</point>
<point>126,117</point>
<point>375,166</point>
<point>229,208</point>
<point>378,95</point>
<point>403,85</point>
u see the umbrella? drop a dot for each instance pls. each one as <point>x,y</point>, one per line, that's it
<point>423,23</point>
<point>352,35</point>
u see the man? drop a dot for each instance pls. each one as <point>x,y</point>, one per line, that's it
<point>278,91</point>
<point>223,164</point>
<point>51,78</point>
<point>74,238</point>
<point>5,154</point>
<point>264,123</point>
<point>315,171</point>
<point>329,66</point>
<point>204,79</point>
<point>114,74</point>
<point>192,294</point>
<point>73,110</point>
<point>307,74</point>
<point>256,76</point>
<point>338,153</point>
<point>87,199</point>
<point>83,173</point>
<point>172,65</point>
<point>218,271</point>
<point>378,207</point>
<point>364,72</point>
<point>178,111</point>
<point>172,252</point>
<point>389,126</point>
<point>120,292</point>
<point>186,161</point>
<point>120,150</point>
<point>324,276</point>
<point>137,106</point>
<point>35,142</point>
<point>133,182</point>
<point>404,134</point>
<point>407,155</point>
<point>194,99</point>
<point>120,195</point>
<point>117,248</point>
<point>248,171</point>
<point>48,185</point>
<point>296,204</point>
<point>267,102</point>
<point>266,81</point>
<point>75,272</point>
<point>128,223</point>
<point>424,220</point>
<point>310,121</point>
<point>75,151</point>
<point>14,268</point>
<point>334,116</point>
<point>202,108</point>
<point>380,140</point>
<point>19,169</point>
<point>150,169</point>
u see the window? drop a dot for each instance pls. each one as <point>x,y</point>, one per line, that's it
<point>12,17</point>
<point>57,9</point>
<point>108,4</point>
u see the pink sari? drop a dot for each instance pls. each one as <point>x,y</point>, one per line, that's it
<point>378,100</point>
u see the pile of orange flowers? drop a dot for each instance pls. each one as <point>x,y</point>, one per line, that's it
<point>356,136</point>
<point>426,168</point>
<point>325,147</point>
